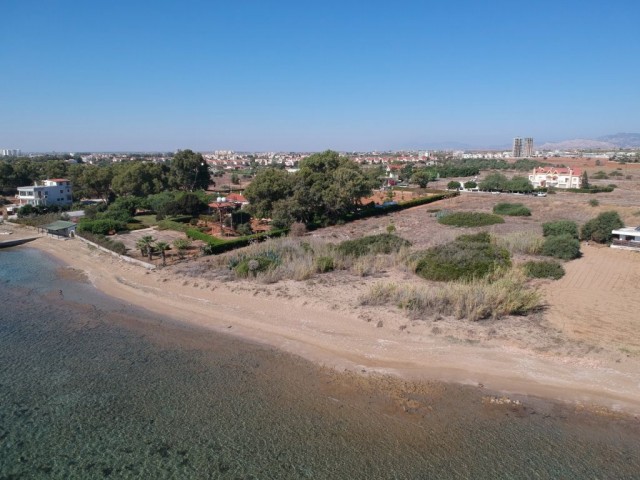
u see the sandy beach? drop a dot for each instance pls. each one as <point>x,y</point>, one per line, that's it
<point>319,320</point>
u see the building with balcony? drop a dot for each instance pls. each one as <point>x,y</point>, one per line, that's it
<point>557,177</point>
<point>54,191</point>
<point>627,238</point>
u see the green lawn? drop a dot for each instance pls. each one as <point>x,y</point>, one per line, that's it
<point>147,220</point>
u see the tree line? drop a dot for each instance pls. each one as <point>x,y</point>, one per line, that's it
<point>186,171</point>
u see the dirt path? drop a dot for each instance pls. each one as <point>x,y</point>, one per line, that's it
<point>598,300</point>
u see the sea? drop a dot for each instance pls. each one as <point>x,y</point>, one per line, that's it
<point>91,387</point>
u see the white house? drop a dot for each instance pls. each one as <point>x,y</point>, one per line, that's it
<point>54,191</point>
<point>559,177</point>
<point>627,238</point>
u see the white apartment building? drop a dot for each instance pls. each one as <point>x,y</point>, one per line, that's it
<point>54,191</point>
<point>556,177</point>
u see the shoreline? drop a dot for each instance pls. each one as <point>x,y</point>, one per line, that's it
<point>334,336</point>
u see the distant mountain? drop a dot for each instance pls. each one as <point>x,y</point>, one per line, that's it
<point>577,144</point>
<point>622,140</point>
<point>606,142</point>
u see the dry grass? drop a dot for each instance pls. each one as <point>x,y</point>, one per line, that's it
<point>473,300</point>
<point>302,258</point>
<point>523,242</point>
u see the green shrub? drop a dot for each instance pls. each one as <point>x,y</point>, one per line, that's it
<point>544,269</point>
<point>453,185</point>
<point>565,247</point>
<point>594,202</point>
<point>512,209</point>
<point>470,219</point>
<point>599,229</point>
<point>466,258</point>
<point>247,266</point>
<point>324,264</point>
<point>560,227</point>
<point>373,244</point>
<point>590,190</point>
<point>171,225</point>
<point>102,226</point>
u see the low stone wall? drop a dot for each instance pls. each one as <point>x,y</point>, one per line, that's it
<point>140,263</point>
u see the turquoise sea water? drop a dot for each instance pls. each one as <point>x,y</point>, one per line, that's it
<point>93,388</point>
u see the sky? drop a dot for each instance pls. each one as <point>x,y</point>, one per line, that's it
<point>244,75</point>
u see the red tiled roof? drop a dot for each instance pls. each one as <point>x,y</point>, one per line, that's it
<point>559,170</point>
<point>58,179</point>
<point>236,197</point>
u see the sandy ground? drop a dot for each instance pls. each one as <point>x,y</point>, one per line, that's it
<point>598,298</point>
<point>319,320</point>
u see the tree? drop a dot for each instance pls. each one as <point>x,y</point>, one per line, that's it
<point>188,171</point>
<point>494,182</point>
<point>96,181</point>
<point>162,247</point>
<point>145,244</point>
<point>453,185</point>
<point>235,179</point>
<point>268,187</point>
<point>422,177</point>
<point>519,184</point>
<point>407,172</point>
<point>139,179</point>
<point>599,229</point>
<point>54,169</point>
<point>470,184</point>
<point>585,180</point>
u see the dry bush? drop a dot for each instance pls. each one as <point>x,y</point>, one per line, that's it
<point>473,300</point>
<point>527,243</point>
<point>300,259</point>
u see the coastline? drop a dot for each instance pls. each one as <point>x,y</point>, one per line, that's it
<point>331,333</point>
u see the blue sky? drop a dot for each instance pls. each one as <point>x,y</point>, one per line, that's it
<point>295,75</point>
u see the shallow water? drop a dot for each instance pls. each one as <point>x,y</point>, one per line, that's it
<point>92,388</point>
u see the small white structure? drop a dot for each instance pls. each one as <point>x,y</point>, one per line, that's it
<point>558,177</point>
<point>54,191</point>
<point>627,238</point>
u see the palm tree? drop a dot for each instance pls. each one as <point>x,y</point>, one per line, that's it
<point>163,247</point>
<point>145,244</point>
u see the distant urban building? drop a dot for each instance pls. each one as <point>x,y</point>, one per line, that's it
<point>543,177</point>
<point>54,191</point>
<point>517,147</point>
<point>9,152</point>
<point>528,147</point>
<point>522,147</point>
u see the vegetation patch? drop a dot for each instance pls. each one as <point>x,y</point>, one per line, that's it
<point>543,269</point>
<point>106,242</point>
<point>560,227</point>
<point>252,265</point>
<point>512,209</point>
<point>467,257</point>
<point>372,245</point>
<point>472,300</point>
<point>526,243</point>
<point>599,229</point>
<point>102,226</point>
<point>564,247</point>
<point>470,219</point>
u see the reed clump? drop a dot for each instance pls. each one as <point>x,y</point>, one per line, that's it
<point>473,300</point>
